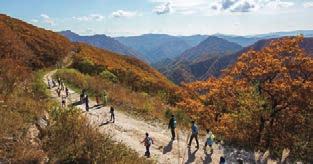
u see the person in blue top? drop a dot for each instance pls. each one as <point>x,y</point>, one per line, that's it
<point>194,134</point>
<point>148,141</point>
<point>172,126</point>
<point>209,140</point>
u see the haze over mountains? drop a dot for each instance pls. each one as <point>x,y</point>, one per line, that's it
<point>181,70</point>
<point>156,47</point>
<point>186,67</point>
<point>104,42</point>
<point>184,58</point>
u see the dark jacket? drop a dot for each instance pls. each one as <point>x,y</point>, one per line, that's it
<point>172,123</point>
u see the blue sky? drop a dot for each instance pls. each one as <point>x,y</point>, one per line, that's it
<point>176,17</point>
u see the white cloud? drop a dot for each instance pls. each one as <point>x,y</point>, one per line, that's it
<point>179,6</point>
<point>219,6</point>
<point>243,7</point>
<point>163,8</point>
<point>250,5</point>
<point>46,19</point>
<point>91,17</point>
<point>235,5</point>
<point>124,14</point>
<point>278,4</point>
<point>308,4</point>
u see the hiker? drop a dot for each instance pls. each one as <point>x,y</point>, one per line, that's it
<point>53,83</point>
<point>97,99</point>
<point>209,140</point>
<point>104,98</point>
<point>112,114</point>
<point>87,103</point>
<point>147,142</point>
<point>66,91</point>
<point>172,126</point>
<point>63,101</point>
<point>58,92</point>
<point>222,160</point>
<point>62,85</point>
<point>194,134</point>
<point>82,96</point>
<point>59,81</point>
<point>49,83</point>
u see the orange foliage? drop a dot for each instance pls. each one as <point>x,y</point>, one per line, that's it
<point>33,46</point>
<point>264,100</point>
<point>130,72</point>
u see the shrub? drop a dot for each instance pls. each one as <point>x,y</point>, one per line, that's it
<point>109,76</point>
<point>72,139</point>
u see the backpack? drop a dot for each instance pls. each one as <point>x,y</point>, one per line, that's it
<point>174,123</point>
<point>149,141</point>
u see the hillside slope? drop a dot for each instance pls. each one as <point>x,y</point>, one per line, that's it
<point>170,50</point>
<point>130,71</point>
<point>31,45</point>
<point>226,61</point>
<point>213,66</point>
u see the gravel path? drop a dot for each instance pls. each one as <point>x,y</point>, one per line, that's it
<point>131,131</point>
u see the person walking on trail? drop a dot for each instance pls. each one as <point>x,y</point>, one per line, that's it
<point>222,160</point>
<point>63,101</point>
<point>66,92</point>
<point>97,99</point>
<point>112,114</point>
<point>82,96</point>
<point>194,134</point>
<point>58,90</point>
<point>87,103</point>
<point>104,98</point>
<point>172,126</point>
<point>147,142</point>
<point>49,83</point>
<point>62,85</point>
<point>53,83</point>
<point>59,81</point>
<point>209,140</point>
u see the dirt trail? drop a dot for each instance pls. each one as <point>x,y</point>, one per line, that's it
<point>131,131</point>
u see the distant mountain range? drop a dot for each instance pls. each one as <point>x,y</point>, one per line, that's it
<point>186,68</point>
<point>251,39</point>
<point>179,70</point>
<point>104,42</point>
<point>156,47</point>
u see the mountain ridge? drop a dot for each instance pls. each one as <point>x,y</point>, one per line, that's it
<point>103,41</point>
<point>183,68</point>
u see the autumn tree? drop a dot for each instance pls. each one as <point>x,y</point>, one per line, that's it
<point>263,101</point>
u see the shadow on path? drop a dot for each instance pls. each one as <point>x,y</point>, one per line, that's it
<point>76,103</point>
<point>191,156</point>
<point>104,123</point>
<point>208,158</point>
<point>168,148</point>
<point>97,106</point>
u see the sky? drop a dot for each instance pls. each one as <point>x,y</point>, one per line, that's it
<point>175,17</point>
